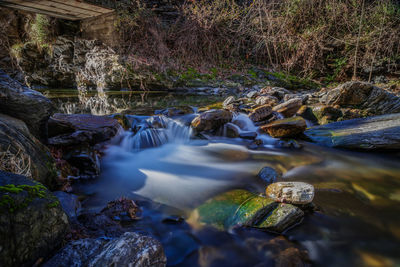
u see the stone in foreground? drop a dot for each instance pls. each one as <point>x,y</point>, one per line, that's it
<point>291,192</point>
<point>211,120</point>
<point>290,127</point>
<point>131,249</point>
<point>373,133</point>
<point>243,208</point>
<point>32,222</point>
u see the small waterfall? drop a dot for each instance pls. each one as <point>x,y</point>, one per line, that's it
<point>156,131</point>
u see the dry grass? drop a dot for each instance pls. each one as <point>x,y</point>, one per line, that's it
<point>15,163</point>
<point>308,37</point>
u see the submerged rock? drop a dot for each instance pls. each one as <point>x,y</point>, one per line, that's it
<point>74,129</point>
<point>363,96</point>
<point>22,153</point>
<point>291,192</point>
<point>130,249</point>
<point>30,106</point>
<point>32,222</point>
<point>290,127</point>
<point>268,175</point>
<point>243,208</point>
<point>211,120</point>
<point>373,133</point>
<point>260,113</point>
<point>289,108</point>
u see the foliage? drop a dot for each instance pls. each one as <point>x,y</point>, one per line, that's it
<point>313,38</point>
<point>39,32</point>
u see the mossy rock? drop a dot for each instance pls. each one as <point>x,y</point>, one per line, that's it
<point>32,222</point>
<point>243,208</point>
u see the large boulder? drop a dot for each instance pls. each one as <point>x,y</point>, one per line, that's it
<point>211,120</point>
<point>78,129</point>
<point>32,222</point>
<point>290,127</point>
<point>25,104</point>
<point>131,249</point>
<point>22,153</point>
<point>243,208</point>
<point>373,133</point>
<point>362,95</point>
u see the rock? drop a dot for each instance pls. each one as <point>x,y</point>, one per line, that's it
<point>267,100</point>
<point>373,133</point>
<point>232,130</point>
<point>362,95</point>
<point>85,159</point>
<point>211,120</point>
<point>22,153</point>
<point>122,207</point>
<point>289,108</point>
<point>307,113</point>
<point>327,114</point>
<point>242,208</point>
<point>69,203</point>
<point>260,113</point>
<point>228,101</point>
<point>290,127</point>
<point>248,135</point>
<point>291,192</point>
<point>130,249</point>
<point>77,129</point>
<point>268,175</point>
<point>174,111</point>
<point>304,97</point>
<point>122,120</point>
<point>277,92</point>
<point>32,223</point>
<point>19,101</point>
<point>252,94</point>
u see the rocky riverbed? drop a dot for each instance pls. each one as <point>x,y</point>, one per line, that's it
<point>254,178</point>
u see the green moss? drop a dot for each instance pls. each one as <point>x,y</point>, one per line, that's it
<point>16,50</point>
<point>9,200</point>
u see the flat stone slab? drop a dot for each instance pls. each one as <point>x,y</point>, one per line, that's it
<point>373,133</point>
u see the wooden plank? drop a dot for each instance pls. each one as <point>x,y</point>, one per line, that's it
<point>81,4</point>
<point>35,10</point>
<point>42,6</point>
<point>66,7</point>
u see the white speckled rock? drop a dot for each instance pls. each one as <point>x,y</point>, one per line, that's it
<point>291,192</point>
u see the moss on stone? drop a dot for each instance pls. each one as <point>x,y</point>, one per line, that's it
<point>9,200</point>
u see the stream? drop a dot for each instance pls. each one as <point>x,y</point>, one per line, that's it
<point>168,173</point>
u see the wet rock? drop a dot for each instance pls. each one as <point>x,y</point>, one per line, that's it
<point>121,208</point>
<point>174,111</point>
<point>74,129</point>
<point>252,94</point>
<point>260,113</point>
<point>85,159</point>
<point>122,120</point>
<point>69,203</point>
<point>232,130</point>
<point>307,113</point>
<point>362,95</point>
<point>22,153</point>
<point>373,133</point>
<point>32,222</point>
<point>242,208</point>
<point>290,127</point>
<point>268,175</point>
<point>267,100</point>
<point>19,101</point>
<point>211,120</point>
<point>327,114</point>
<point>291,192</point>
<point>228,101</point>
<point>289,108</point>
<point>130,249</point>
<point>277,92</point>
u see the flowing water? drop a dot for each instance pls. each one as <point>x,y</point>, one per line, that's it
<point>168,172</point>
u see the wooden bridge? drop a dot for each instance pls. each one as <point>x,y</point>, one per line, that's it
<point>65,9</point>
